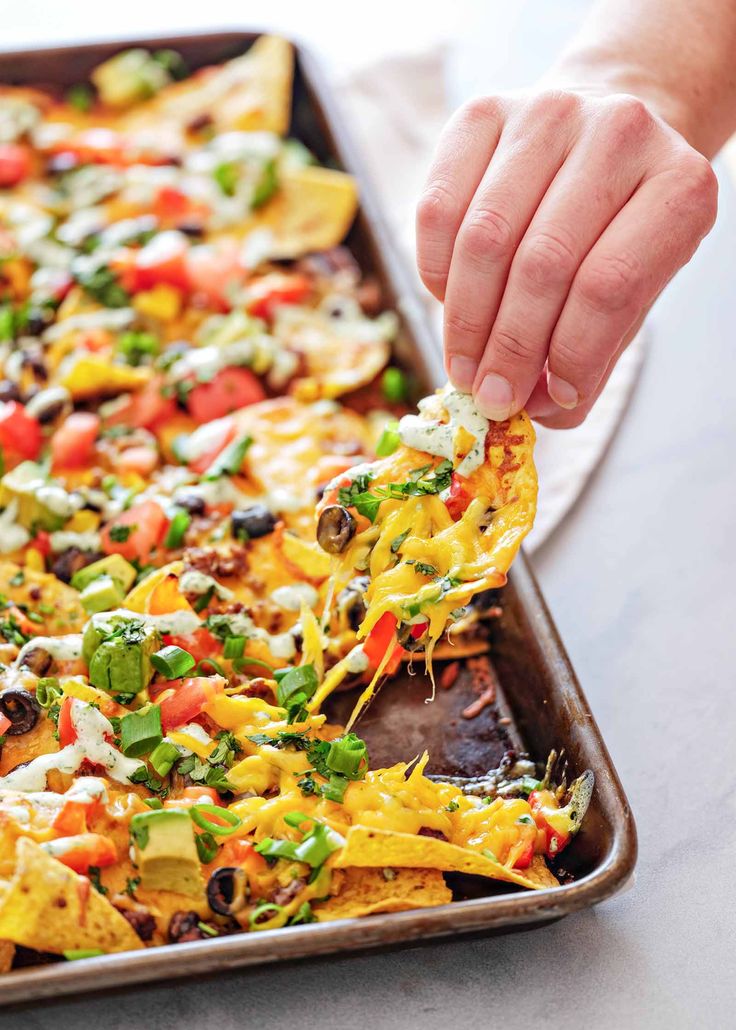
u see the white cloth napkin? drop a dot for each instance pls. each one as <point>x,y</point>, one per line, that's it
<point>396,109</point>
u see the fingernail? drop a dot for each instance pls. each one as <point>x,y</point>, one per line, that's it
<point>495,398</point>
<point>462,372</point>
<point>562,392</point>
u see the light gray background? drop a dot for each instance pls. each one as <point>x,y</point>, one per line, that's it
<point>640,581</point>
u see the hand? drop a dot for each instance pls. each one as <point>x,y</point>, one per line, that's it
<point>549,224</point>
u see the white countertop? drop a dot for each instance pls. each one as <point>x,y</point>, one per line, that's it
<point>640,582</point>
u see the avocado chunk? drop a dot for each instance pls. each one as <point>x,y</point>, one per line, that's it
<point>114,566</point>
<point>165,851</point>
<point>129,77</point>
<point>117,648</point>
<point>41,504</point>
<point>101,595</point>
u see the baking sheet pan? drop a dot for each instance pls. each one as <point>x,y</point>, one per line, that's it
<point>540,704</point>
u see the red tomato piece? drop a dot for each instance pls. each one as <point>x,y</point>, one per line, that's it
<point>20,433</point>
<point>172,207</point>
<point>42,542</point>
<point>189,699</point>
<point>15,164</point>
<point>271,291</point>
<point>380,638</point>
<point>5,724</point>
<point>203,461</point>
<point>136,532</point>
<point>141,459</point>
<point>231,389</point>
<point>459,497</point>
<point>215,272</point>
<point>162,260</point>
<point>200,644</point>
<point>65,726</point>
<point>83,850</point>
<point>146,409</point>
<point>73,441</point>
<point>72,818</point>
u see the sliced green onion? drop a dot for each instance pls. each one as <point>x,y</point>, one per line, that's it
<point>259,910</point>
<point>348,756</point>
<point>266,185</point>
<point>155,803</point>
<point>389,440</point>
<point>172,662</point>
<point>229,460</point>
<point>199,816</point>
<point>208,930</point>
<point>206,847</point>
<point>296,819</point>
<point>201,603</point>
<point>80,96</point>
<point>72,954</point>
<point>140,732</point>
<point>180,523</point>
<point>200,669</point>
<point>300,680</point>
<point>394,385</point>
<point>163,757</point>
<point>242,663</point>
<point>234,647</point>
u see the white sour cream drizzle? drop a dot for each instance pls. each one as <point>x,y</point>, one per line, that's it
<point>438,438</point>
<point>291,597</point>
<point>66,648</point>
<point>92,727</point>
<point>194,582</point>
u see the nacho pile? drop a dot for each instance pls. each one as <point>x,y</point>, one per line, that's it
<point>217,507</point>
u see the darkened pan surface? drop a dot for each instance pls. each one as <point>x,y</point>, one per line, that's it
<point>539,699</point>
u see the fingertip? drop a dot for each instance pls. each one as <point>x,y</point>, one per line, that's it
<point>562,393</point>
<point>495,397</point>
<point>461,371</point>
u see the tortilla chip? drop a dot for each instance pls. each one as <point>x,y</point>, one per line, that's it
<point>67,614</point>
<point>50,908</point>
<point>7,954</point>
<point>364,892</point>
<point>380,848</point>
<point>251,93</point>
<point>312,210</point>
<point>540,873</point>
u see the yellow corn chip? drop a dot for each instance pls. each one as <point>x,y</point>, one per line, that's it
<point>48,907</point>
<point>364,892</point>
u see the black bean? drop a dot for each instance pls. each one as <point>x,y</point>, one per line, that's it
<point>184,926</point>
<point>71,561</point>
<point>191,229</point>
<point>193,503</point>
<point>21,708</point>
<point>351,601</point>
<point>251,523</point>
<point>335,529</point>
<point>142,922</point>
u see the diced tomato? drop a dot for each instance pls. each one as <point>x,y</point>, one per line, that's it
<point>5,724</point>
<point>72,818</point>
<point>236,851</point>
<point>459,497</point>
<point>138,459</point>
<point>20,433</point>
<point>189,699</point>
<point>172,207</point>
<point>271,291</point>
<point>73,441</point>
<point>15,164</point>
<point>229,390</point>
<point>525,858</point>
<point>195,795</point>
<point>42,542</point>
<point>200,644</point>
<point>543,804</point>
<point>145,409</point>
<point>83,850</point>
<point>202,462</point>
<point>145,524</point>
<point>214,272</point>
<point>380,639</point>
<point>65,726</point>
<point>162,260</point>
